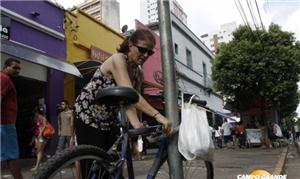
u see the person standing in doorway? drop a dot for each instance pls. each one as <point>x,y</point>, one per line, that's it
<point>65,126</point>
<point>9,141</point>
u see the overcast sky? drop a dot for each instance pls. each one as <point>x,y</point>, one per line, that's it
<point>207,15</point>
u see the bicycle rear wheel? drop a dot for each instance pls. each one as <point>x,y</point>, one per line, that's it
<point>195,169</point>
<point>83,161</point>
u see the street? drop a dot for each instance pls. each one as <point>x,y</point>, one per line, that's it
<point>228,163</point>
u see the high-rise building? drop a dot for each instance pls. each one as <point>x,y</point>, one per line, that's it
<point>106,11</point>
<point>213,39</point>
<point>149,11</point>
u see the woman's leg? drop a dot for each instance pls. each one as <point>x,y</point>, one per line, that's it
<point>87,135</point>
<point>40,154</point>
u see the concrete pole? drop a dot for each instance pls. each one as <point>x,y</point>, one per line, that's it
<point>170,85</point>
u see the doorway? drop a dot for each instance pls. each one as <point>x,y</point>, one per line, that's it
<point>29,91</point>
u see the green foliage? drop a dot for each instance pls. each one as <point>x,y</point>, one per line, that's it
<point>291,120</point>
<point>259,65</point>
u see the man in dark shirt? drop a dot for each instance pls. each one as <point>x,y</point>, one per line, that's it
<point>9,143</point>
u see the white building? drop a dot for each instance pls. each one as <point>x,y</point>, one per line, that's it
<point>149,11</point>
<point>213,39</point>
<point>193,64</point>
<point>106,11</point>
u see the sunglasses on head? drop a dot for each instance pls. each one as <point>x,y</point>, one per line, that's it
<point>143,50</point>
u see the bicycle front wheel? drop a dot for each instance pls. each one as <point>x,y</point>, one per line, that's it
<point>84,161</point>
<point>195,169</point>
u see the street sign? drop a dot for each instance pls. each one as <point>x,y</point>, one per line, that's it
<point>5,27</point>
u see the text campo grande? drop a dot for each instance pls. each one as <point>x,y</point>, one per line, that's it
<point>261,176</point>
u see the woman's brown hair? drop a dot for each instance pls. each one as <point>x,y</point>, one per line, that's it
<point>140,34</point>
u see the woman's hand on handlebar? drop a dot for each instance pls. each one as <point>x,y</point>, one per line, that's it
<point>167,124</point>
<point>137,124</point>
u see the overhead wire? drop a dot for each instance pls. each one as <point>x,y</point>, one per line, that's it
<point>262,25</point>
<point>240,8</point>
<point>244,14</point>
<point>249,4</point>
<point>240,12</point>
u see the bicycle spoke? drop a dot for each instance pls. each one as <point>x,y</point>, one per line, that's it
<point>83,162</point>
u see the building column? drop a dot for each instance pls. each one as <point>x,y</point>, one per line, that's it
<point>54,95</point>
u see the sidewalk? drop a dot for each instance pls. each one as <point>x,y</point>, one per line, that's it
<point>292,167</point>
<point>25,164</point>
<point>228,163</point>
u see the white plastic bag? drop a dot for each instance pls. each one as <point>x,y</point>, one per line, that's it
<point>140,144</point>
<point>194,134</point>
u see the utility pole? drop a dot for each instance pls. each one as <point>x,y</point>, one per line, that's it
<point>170,95</point>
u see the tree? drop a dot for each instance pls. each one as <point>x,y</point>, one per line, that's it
<point>259,68</point>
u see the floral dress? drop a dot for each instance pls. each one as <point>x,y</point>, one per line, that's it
<point>101,116</point>
<point>86,109</point>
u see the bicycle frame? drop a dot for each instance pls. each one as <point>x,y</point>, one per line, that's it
<point>125,153</point>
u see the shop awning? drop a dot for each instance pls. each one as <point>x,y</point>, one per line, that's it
<point>37,57</point>
<point>227,116</point>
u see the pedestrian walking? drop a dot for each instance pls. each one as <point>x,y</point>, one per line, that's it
<point>297,132</point>
<point>218,136</point>
<point>38,139</point>
<point>276,131</point>
<point>226,126</point>
<point>9,141</point>
<point>240,131</point>
<point>65,126</point>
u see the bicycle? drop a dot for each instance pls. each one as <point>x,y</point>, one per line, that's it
<point>102,164</point>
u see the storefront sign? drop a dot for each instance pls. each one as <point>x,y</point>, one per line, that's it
<point>5,27</point>
<point>99,54</point>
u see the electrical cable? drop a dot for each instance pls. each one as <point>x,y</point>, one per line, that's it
<point>240,12</point>
<point>262,25</point>
<point>244,14</point>
<point>252,14</point>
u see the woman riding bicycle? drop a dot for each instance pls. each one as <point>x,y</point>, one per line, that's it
<point>94,123</point>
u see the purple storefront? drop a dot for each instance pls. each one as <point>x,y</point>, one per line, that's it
<point>33,32</point>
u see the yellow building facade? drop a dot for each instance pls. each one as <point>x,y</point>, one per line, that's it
<point>88,40</point>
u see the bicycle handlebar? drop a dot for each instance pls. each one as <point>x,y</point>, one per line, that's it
<point>157,129</point>
<point>145,131</point>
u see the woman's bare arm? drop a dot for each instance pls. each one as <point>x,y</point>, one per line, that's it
<point>118,68</point>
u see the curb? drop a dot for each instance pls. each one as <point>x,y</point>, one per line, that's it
<point>298,146</point>
<point>279,167</point>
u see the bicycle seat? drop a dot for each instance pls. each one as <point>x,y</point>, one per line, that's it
<point>117,95</point>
